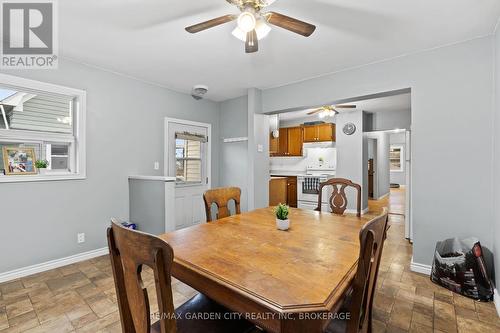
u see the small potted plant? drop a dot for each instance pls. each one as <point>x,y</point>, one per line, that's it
<point>282,221</point>
<point>42,165</point>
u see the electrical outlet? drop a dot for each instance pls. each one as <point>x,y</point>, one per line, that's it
<point>157,166</point>
<point>81,237</point>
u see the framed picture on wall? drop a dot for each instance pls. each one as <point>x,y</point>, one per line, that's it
<point>19,161</point>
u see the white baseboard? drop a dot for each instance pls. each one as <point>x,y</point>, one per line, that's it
<point>29,270</point>
<point>420,268</point>
<point>496,300</point>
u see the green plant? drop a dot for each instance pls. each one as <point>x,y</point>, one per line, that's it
<point>41,164</point>
<point>282,211</point>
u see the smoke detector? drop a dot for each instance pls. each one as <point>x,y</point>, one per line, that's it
<point>198,91</point>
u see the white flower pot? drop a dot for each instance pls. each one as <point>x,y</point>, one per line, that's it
<point>42,171</point>
<point>283,224</point>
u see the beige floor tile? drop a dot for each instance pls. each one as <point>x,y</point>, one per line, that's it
<point>23,322</point>
<point>59,325</point>
<point>100,324</point>
<point>420,328</point>
<point>18,308</point>
<point>102,306</point>
<point>67,282</point>
<point>84,320</point>
<point>466,325</point>
<point>4,323</point>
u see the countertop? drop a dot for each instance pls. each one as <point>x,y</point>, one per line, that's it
<point>286,173</point>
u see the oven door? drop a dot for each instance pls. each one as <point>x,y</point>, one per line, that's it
<point>308,189</point>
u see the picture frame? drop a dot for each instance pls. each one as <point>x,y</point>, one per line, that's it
<point>19,161</point>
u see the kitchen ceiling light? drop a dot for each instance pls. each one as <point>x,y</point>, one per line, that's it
<point>261,28</point>
<point>246,22</point>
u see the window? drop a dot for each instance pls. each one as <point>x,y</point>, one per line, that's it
<point>189,151</point>
<point>396,158</point>
<point>48,118</point>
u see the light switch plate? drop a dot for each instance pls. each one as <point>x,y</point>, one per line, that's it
<point>157,165</point>
<point>260,148</point>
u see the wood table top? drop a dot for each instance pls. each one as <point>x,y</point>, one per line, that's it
<point>306,268</point>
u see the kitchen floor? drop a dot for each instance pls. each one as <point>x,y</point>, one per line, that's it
<point>81,297</point>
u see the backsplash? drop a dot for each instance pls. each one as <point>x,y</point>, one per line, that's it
<point>311,159</point>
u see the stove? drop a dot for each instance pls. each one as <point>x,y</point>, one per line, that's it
<point>308,188</point>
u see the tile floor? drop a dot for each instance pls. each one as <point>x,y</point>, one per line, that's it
<point>81,297</point>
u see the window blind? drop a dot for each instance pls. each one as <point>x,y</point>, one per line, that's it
<point>190,136</point>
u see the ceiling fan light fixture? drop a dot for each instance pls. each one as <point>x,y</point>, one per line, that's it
<point>261,28</point>
<point>246,21</point>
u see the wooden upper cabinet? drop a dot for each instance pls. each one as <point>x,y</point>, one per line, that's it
<point>283,142</point>
<point>294,141</point>
<point>310,133</point>
<point>326,132</point>
<point>289,142</point>
<point>319,133</point>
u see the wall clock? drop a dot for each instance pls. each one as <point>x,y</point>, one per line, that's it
<point>349,129</point>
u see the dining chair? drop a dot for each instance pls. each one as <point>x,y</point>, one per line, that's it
<point>338,200</point>
<point>359,299</point>
<point>129,251</point>
<point>221,197</point>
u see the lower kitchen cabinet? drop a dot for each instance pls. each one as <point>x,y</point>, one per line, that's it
<point>292,191</point>
<point>275,193</point>
<point>278,190</point>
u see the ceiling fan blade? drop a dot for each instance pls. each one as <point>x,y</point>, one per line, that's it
<point>252,43</point>
<point>345,106</point>
<point>210,23</point>
<point>289,23</point>
<point>314,112</point>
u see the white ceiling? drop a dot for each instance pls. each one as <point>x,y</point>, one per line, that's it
<point>146,38</point>
<point>401,102</point>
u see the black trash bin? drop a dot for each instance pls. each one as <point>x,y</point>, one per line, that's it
<point>459,266</point>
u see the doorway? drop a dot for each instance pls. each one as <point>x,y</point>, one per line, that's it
<point>187,157</point>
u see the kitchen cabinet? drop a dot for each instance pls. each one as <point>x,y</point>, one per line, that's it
<point>278,187</point>
<point>273,145</point>
<point>319,133</point>
<point>289,142</point>
<point>291,191</point>
<point>294,141</point>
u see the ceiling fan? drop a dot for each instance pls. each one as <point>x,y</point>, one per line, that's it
<point>330,110</point>
<point>253,24</point>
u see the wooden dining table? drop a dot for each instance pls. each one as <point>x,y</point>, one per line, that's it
<point>283,281</point>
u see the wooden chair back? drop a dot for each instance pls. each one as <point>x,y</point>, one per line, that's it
<point>221,197</point>
<point>371,238</point>
<point>129,251</point>
<point>338,200</point>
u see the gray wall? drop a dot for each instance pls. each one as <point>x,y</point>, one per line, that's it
<point>124,136</point>
<point>234,156</point>
<point>445,82</point>
<point>496,168</point>
<point>352,156</point>
<point>389,120</point>
<point>382,173</point>
<point>258,129</point>
<point>399,139</point>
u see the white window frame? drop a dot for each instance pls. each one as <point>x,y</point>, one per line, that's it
<point>401,157</point>
<point>77,139</point>
<point>167,171</point>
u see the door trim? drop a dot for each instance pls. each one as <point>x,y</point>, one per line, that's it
<point>188,123</point>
